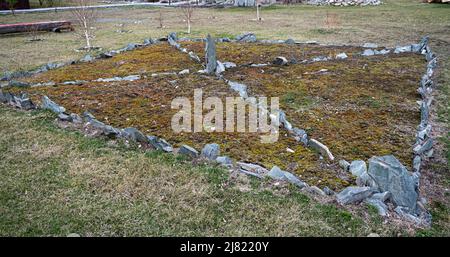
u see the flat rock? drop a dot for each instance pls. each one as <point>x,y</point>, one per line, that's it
<point>353,194</point>
<point>188,151</point>
<point>252,169</point>
<point>321,148</point>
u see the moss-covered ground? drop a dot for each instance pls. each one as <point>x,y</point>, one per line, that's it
<point>358,107</point>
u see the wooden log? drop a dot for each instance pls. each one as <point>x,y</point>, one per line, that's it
<point>55,26</point>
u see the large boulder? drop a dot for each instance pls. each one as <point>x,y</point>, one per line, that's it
<point>390,175</point>
<point>160,144</point>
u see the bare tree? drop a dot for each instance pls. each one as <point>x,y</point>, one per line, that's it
<point>86,18</point>
<point>188,11</point>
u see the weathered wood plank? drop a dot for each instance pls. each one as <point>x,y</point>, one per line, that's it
<point>35,26</point>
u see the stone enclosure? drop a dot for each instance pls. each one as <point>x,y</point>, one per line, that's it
<point>353,119</point>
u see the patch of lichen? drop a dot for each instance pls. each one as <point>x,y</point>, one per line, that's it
<point>245,53</point>
<point>143,61</point>
<point>359,107</point>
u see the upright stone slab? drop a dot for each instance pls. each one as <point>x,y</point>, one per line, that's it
<point>211,59</point>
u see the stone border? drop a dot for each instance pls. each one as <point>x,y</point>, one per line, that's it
<point>367,192</point>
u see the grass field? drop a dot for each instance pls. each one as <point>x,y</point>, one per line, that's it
<point>55,182</point>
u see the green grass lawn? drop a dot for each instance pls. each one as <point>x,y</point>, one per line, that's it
<point>56,182</point>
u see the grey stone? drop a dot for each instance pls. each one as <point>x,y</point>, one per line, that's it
<point>379,205</point>
<point>321,148</point>
<point>381,196</point>
<point>283,120</point>
<point>106,130</point>
<point>16,83</point>
<point>64,117</point>
<point>370,45</point>
<point>357,168</point>
<point>247,37</point>
<point>403,49</point>
<point>328,191</point>
<point>368,52</point>
<point>131,46</point>
<point>300,135</point>
<point>210,55</point>
<point>76,118</point>
<point>148,41</point>
<point>365,180</point>
<point>173,36</point>
<point>425,146</point>
<point>416,163</point>
<point>294,180</point>
<point>382,52</point>
<point>160,144</point>
<point>185,71</point>
<point>240,88</point>
<point>219,68</point>
<point>341,56</point>
<point>88,116</point>
<point>315,190</point>
<point>290,41</point>
<point>194,57</point>
<point>276,173</point>
<point>188,151</point>
<point>258,65</point>
<point>75,82</point>
<point>407,214</point>
<point>320,59</point>
<point>87,58</point>
<point>228,65</point>
<point>252,169</point>
<point>390,175</point>
<point>135,135</point>
<point>210,151</point>
<point>225,161</point>
<point>344,165</point>
<point>280,60</point>
<point>353,194</point>
<point>52,106</point>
